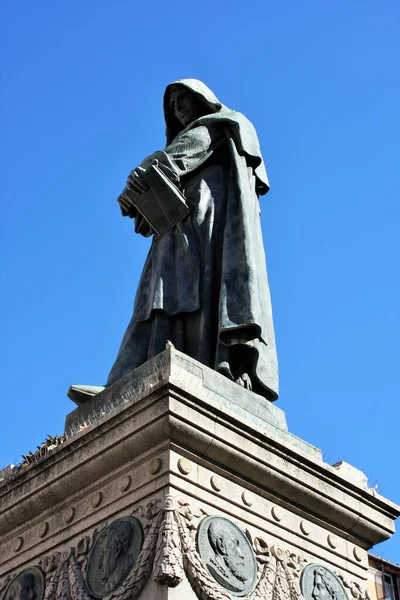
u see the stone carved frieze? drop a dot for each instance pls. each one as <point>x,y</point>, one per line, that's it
<point>169,552</point>
<point>4,583</point>
<point>354,588</point>
<point>280,572</point>
<point>64,575</point>
<point>168,564</point>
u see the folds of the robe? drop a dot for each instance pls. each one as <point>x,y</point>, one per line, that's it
<point>204,285</point>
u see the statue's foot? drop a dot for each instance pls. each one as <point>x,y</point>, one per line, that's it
<point>82,393</point>
<point>244,381</point>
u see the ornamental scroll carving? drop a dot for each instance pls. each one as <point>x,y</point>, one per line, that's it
<point>355,589</point>
<point>280,572</point>
<point>4,583</point>
<point>64,573</point>
<point>169,553</point>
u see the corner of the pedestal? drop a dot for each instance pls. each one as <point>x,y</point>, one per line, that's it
<point>132,387</point>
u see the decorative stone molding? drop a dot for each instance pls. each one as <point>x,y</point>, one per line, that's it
<point>18,543</point>
<point>69,514</point>
<point>96,499</point>
<point>64,574</point>
<point>280,575</point>
<point>359,554</point>
<point>216,483</point>
<point>305,527</point>
<point>277,513</point>
<point>43,529</point>
<point>354,588</point>
<point>332,540</point>
<point>185,466</point>
<point>168,566</point>
<point>155,466</point>
<point>124,483</point>
<point>199,578</point>
<point>246,498</point>
<point>4,584</point>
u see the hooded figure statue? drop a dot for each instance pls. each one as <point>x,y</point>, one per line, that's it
<point>204,285</point>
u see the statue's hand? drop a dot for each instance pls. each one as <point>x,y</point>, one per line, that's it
<point>135,181</point>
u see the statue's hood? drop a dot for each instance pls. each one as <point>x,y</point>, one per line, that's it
<point>241,129</point>
<point>172,127</point>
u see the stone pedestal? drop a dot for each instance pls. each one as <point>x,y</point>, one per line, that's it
<point>168,445</point>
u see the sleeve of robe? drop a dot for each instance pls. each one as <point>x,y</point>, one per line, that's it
<point>189,151</point>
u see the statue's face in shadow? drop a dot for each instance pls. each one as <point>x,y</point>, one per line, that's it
<point>184,105</point>
<point>320,591</point>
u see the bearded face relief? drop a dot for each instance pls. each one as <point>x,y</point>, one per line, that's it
<point>113,556</point>
<point>319,583</point>
<point>227,554</point>
<point>28,585</point>
<point>111,549</point>
<point>321,590</point>
<point>27,588</point>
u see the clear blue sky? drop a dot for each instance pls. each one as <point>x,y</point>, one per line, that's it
<point>81,104</point>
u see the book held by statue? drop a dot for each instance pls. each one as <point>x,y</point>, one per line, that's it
<point>163,205</point>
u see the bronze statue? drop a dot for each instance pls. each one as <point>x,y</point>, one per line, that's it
<point>204,285</point>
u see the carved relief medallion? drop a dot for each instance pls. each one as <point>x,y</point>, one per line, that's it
<point>27,585</point>
<point>319,583</point>
<point>113,554</point>
<point>227,554</point>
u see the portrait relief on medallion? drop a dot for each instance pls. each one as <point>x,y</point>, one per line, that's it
<point>227,554</point>
<point>27,585</point>
<point>113,555</point>
<point>319,583</point>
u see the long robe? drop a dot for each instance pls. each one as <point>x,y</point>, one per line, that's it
<point>204,285</point>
